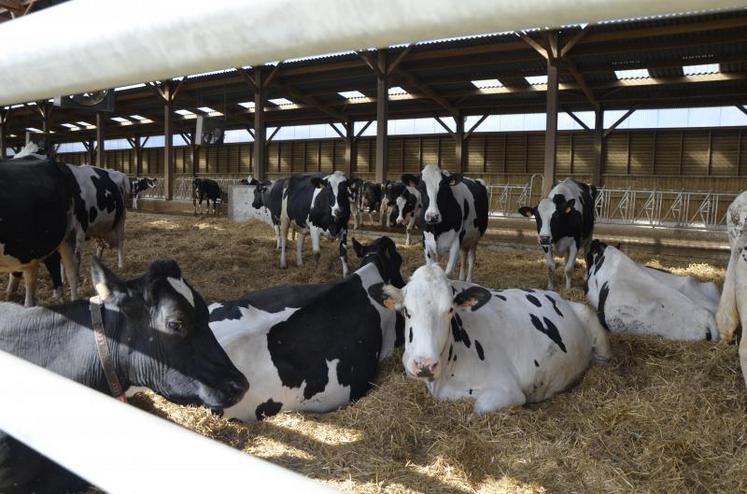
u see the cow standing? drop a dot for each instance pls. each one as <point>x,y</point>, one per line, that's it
<point>409,206</point>
<point>354,195</point>
<point>637,299</point>
<point>261,203</point>
<point>139,185</point>
<point>157,334</point>
<point>312,204</point>
<point>498,347</point>
<point>312,347</point>
<point>36,219</point>
<point>371,197</point>
<point>207,190</point>
<point>732,309</point>
<point>456,217</point>
<point>565,224</point>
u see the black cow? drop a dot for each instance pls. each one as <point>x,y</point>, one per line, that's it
<point>456,217</point>
<point>565,222</point>
<point>315,204</point>
<point>138,185</point>
<point>208,190</point>
<point>158,337</point>
<point>370,198</point>
<point>312,347</point>
<point>36,218</point>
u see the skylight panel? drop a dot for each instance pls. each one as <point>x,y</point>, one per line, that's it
<point>131,86</point>
<point>249,105</point>
<point>632,74</point>
<point>122,120</point>
<point>705,68</point>
<point>280,101</point>
<point>70,126</point>
<point>536,79</point>
<point>184,112</point>
<point>351,94</point>
<point>86,125</point>
<point>34,130</point>
<point>396,91</point>
<point>486,83</point>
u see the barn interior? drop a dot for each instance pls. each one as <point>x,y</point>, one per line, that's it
<point>661,416</point>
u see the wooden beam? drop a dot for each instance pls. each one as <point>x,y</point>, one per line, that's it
<point>399,58</point>
<point>100,155</point>
<point>534,44</point>
<point>619,121</point>
<point>313,102</point>
<point>363,129</point>
<point>3,121</point>
<point>578,120</point>
<point>382,116</point>
<point>411,80</point>
<point>742,108</point>
<point>260,131</point>
<point>598,169</point>
<point>581,82</point>
<point>460,144</point>
<point>350,148</point>
<point>168,152</point>
<point>372,64</point>
<point>575,39</point>
<point>551,122</point>
<point>446,127</point>
<point>338,131</point>
<point>272,75</point>
<point>474,127</point>
<point>277,129</point>
<point>247,77</point>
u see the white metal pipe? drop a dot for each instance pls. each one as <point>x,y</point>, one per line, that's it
<point>84,45</point>
<point>121,448</point>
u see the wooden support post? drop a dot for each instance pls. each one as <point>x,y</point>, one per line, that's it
<point>3,121</point>
<point>551,125</point>
<point>168,149</point>
<point>138,145</point>
<point>382,114</point>
<point>100,158</point>
<point>350,148</point>
<point>598,170</point>
<point>260,131</point>
<point>460,152</point>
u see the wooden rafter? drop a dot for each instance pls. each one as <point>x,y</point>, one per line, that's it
<point>446,127</point>
<point>425,90</point>
<point>619,121</point>
<point>742,108</point>
<point>578,120</point>
<point>581,82</point>
<point>312,101</point>
<point>363,129</point>
<point>534,44</point>
<point>399,58</point>
<point>474,127</point>
<point>372,64</point>
<point>575,39</point>
<point>269,138</point>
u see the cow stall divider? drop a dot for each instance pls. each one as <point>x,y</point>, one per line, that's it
<point>120,448</point>
<point>100,47</point>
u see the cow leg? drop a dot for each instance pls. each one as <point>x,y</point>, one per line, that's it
<point>276,229</point>
<point>727,316</point>
<point>71,264</point>
<point>462,264</point>
<point>550,263</point>
<point>495,399</point>
<point>570,263</point>
<point>315,234</point>
<point>52,262</point>
<point>453,255</point>
<point>284,225</point>
<point>343,236</point>
<point>29,278</point>
<point>14,280</point>
<point>471,253</point>
<point>299,248</point>
<point>119,240</point>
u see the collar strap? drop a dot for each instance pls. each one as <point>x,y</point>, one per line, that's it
<point>102,348</point>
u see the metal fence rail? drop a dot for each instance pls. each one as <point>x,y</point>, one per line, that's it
<point>183,187</point>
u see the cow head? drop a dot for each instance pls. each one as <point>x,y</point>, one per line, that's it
<point>260,195</point>
<point>406,203</point>
<point>437,186</point>
<point>370,195</point>
<point>383,253</point>
<point>430,308</point>
<point>354,189</point>
<point>332,198</point>
<point>549,214</point>
<point>249,181</point>
<point>163,341</point>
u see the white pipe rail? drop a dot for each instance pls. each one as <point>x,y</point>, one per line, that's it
<point>122,449</point>
<point>85,45</point>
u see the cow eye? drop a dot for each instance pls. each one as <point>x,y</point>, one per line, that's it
<point>175,326</point>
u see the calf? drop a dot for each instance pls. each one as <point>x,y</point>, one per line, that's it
<point>312,347</point>
<point>497,347</point>
<point>139,185</point>
<point>456,217</point>
<point>565,223</point>
<point>315,204</point>
<point>732,309</point>
<point>637,299</point>
<point>156,332</point>
<point>208,190</point>
<point>36,218</point>
<point>409,206</point>
<point>371,196</point>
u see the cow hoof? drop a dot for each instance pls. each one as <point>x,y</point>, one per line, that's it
<point>316,256</point>
<point>283,266</point>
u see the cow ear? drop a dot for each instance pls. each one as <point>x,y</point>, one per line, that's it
<point>358,248</point>
<point>387,296</point>
<point>568,206</point>
<point>474,297</point>
<point>526,211</point>
<point>410,180</point>
<point>317,182</point>
<point>104,281</point>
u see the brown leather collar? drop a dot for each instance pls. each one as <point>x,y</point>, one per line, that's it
<point>103,351</point>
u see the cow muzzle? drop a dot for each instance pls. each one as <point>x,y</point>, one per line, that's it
<point>425,369</point>
<point>432,218</point>
<point>545,240</point>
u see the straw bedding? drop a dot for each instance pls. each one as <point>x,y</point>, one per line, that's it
<point>662,416</point>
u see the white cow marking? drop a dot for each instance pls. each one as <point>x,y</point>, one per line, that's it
<point>182,289</point>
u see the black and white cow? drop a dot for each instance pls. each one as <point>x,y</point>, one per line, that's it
<point>732,309</point>
<point>409,206</point>
<point>370,199</point>
<point>631,298</point>
<point>156,328</point>
<point>392,191</point>
<point>456,217</point>
<point>355,186</point>
<point>565,224</point>
<point>498,347</point>
<point>36,219</point>
<point>263,194</point>
<point>312,347</point>
<point>207,190</point>
<point>313,204</point>
<point>139,185</point>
